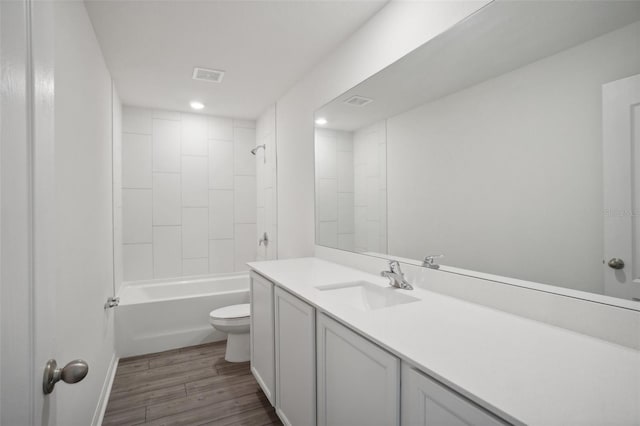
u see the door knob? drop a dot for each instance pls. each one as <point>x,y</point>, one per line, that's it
<point>73,372</point>
<point>616,263</point>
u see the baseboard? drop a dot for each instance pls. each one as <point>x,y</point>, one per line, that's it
<point>98,415</point>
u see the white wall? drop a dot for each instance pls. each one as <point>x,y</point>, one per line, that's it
<point>83,156</point>
<point>189,194</point>
<point>393,32</point>
<point>506,177</point>
<point>266,177</point>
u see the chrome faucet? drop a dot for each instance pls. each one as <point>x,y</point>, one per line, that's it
<point>430,261</point>
<point>396,277</point>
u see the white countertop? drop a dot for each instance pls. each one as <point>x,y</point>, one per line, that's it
<point>523,370</point>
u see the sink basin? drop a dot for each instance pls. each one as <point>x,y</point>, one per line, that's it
<point>365,296</point>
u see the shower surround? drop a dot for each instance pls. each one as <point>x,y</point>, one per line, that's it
<point>188,194</point>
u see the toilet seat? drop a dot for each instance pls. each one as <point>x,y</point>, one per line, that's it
<point>231,312</point>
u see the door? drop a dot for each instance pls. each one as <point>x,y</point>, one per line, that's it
<point>426,402</point>
<point>27,313</point>
<point>358,382</point>
<point>295,360</point>
<point>262,335</point>
<point>621,168</point>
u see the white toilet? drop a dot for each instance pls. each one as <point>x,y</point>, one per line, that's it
<point>234,320</point>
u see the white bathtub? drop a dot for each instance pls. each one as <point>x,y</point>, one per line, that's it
<point>158,315</point>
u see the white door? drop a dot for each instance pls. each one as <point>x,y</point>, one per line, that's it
<point>621,168</point>
<point>426,402</point>
<point>295,360</point>
<point>358,382</point>
<point>27,311</point>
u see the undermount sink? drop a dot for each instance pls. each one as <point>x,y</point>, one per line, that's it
<point>365,296</point>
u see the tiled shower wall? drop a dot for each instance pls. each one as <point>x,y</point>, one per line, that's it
<point>334,188</point>
<point>266,184</point>
<point>370,188</point>
<point>351,198</point>
<point>188,194</point>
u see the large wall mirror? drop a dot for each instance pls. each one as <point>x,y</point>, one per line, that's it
<point>509,144</point>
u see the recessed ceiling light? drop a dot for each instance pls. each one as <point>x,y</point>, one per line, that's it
<point>196,105</point>
<point>321,121</point>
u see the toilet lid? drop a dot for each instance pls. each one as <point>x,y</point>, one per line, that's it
<point>233,311</point>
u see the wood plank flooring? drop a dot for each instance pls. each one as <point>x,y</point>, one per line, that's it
<point>187,386</point>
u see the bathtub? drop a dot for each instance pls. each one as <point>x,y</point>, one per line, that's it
<point>158,315</point>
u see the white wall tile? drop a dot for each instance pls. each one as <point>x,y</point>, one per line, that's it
<point>220,164</point>
<point>244,141</point>
<point>221,256</point>
<point>195,266</point>
<point>346,242</point>
<point>246,245</point>
<point>136,160</point>
<point>137,216</point>
<point>360,185</point>
<point>327,234</point>
<point>344,171</point>
<point>166,146</point>
<point>373,198</point>
<point>166,115</point>
<point>194,182</point>
<point>345,213</point>
<point>167,205</point>
<point>221,128</point>
<point>167,251</point>
<point>136,120</point>
<point>137,262</point>
<point>245,199</point>
<point>325,155</point>
<point>221,216</point>
<point>194,135</point>
<point>327,199</point>
<point>195,234</point>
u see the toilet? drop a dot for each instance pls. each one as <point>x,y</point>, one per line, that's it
<point>234,320</point>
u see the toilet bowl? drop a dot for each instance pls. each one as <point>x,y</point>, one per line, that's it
<point>234,320</point>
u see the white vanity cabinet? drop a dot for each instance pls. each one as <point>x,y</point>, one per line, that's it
<point>425,402</point>
<point>262,335</point>
<point>295,360</point>
<point>358,382</point>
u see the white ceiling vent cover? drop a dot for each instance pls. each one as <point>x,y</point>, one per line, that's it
<point>204,74</point>
<point>358,101</point>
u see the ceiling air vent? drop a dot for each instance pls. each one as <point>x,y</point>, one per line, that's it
<point>204,74</point>
<point>358,101</point>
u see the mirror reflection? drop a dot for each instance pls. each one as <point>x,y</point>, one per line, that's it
<point>507,143</point>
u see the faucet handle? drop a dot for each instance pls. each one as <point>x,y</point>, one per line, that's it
<point>394,266</point>
<point>429,261</point>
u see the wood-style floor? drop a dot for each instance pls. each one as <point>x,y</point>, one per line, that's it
<point>187,386</point>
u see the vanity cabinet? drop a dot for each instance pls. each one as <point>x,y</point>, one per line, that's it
<point>295,360</point>
<point>262,334</point>
<point>358,382</point>
<point>425,402</point>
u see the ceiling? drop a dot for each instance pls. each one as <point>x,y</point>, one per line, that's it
<point>151,48</point>
<point>505,35</point>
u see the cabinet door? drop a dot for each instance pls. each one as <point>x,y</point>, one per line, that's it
<point>358,382</point>
<point>426,402</point>
<point>295,360</point>
<point>262,335</point>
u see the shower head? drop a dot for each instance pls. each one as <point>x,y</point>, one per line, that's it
<point>254,150</point>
